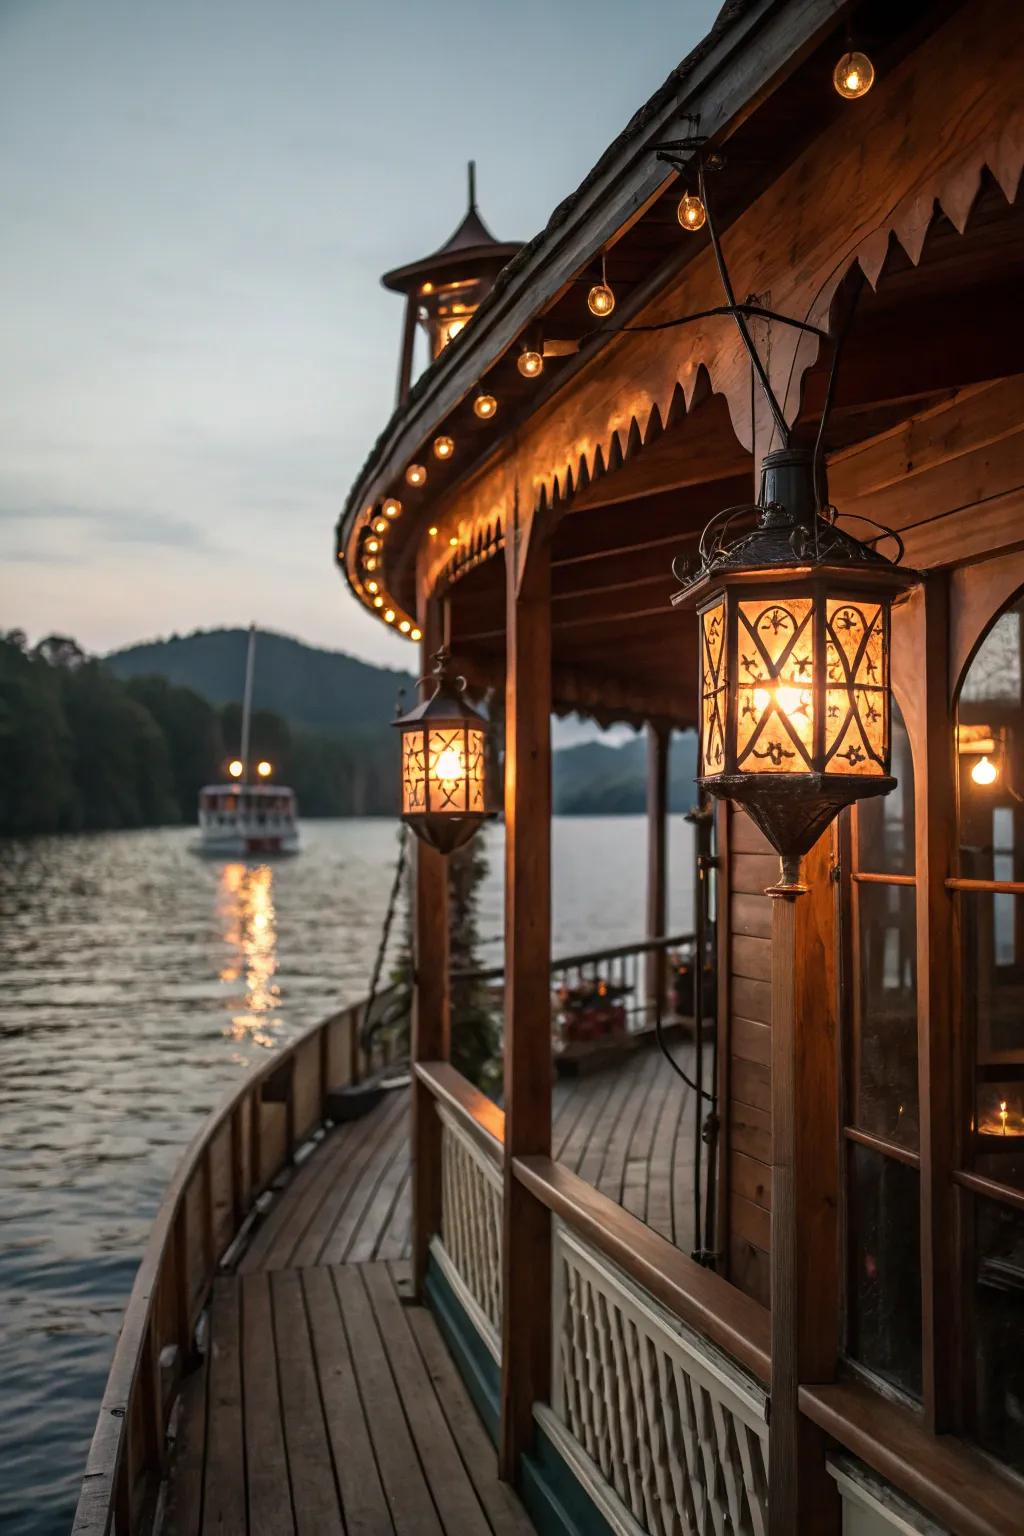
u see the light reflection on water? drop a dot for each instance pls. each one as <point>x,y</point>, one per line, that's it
<point>138,982</point>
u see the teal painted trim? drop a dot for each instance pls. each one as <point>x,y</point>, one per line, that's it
<point>557,1504</point>
<point>477,1366</point>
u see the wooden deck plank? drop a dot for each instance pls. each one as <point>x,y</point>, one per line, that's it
<point>269,1490</point>
<point>184,1512</point>
<point>340,1214</point>
<point>290,1216</point>
<point>395,1236</point>
<point>504,1511</point>
<point>412,1508</point>
<point>287,1202</point>
<point>310,1464</point>
<point>363,1502</point>
<point>224,1478</point>
<point>613,1167</point>
<point>454,1496</point>
<point>659,1183</point>
<point>377,1212</point>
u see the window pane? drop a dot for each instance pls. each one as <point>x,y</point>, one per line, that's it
<point>993,947</point>
<point>998,1313</point>
<point>885,827</point>
<point>885,1028</point>
<point>884,1305</point>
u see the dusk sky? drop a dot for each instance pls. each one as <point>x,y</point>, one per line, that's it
<point>199,197</point>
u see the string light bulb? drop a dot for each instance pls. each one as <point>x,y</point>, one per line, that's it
<point>392,507</point>
<point>378,602</point>
<point>370,564</point>
<point>444,447</point>
<point>380,526</point>
<point>984,772</point>
<point>691,212</point>
<point>416,475</point>
<point>405,626</point>
<point>601,299</point>
<point>389,616</point>
<point>854,75</point>
<point>373,545</point>
<point>432,530</point>
<point>530,363</point>
<point>373,586</point>
<point>485,406</point>
<point>415,634</point>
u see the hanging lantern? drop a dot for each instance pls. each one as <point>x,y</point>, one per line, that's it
<point>443,763</point>
<point>794,637</point>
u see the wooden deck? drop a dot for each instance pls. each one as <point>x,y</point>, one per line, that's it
<point>326,1402</point>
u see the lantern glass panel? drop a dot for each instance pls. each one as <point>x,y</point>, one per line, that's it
<point>447,768</point>
<point>774,691</point>
<point>414,778</point>
<point>857,692</point>
<point>475,770</point>
<point>713,696</point>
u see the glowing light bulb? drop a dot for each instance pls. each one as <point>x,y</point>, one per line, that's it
<point>380,526</point>
<point>691,212</point>
<point>444,447</point>
<point>448,764</point>
<point>452,330</point>
<point>372,586</point>
<point>789,700</point>
<point>370,564</point>
<point>453,540</point>
<point>762,698</point>
<point>389,615</point>
<point>373,545</point>
<point>530,364</point>
<point>392,508</point>
<point>416,475</point>
<point>426,288</point>
<point>235,768</point>
<point>600,300</point>
<point>415,634</point>
<point>405,626</point>
<point>485,407</point>
<point>432,530</point>
<point>854,75</point>
<point>1002,1114</point>
<point>264,769</point>
<point>378,602</point>
<point>984,771</point>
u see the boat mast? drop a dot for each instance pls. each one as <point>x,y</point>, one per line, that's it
<point>250,658</point>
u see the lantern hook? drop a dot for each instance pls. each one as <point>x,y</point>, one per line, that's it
<point>440,676</point>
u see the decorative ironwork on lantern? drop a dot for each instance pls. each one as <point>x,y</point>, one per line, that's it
<point>794,638</point>
<point>444,788</point>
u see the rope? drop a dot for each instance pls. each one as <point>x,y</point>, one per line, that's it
<point>385,937</point>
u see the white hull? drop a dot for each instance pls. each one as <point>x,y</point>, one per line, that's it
<point>247,821</point>
<point>224,844</point>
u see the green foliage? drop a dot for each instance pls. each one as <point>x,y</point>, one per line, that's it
<point>599,780</point>
<point>37,791</point>
<point>476,1037</point>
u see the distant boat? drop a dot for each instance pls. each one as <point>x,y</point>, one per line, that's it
<point>239,819</point>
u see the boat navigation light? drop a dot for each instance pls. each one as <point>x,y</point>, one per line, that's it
<point>235,768</point>
<point>264,769</point>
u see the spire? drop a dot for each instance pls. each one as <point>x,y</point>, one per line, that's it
<point>472,186</point>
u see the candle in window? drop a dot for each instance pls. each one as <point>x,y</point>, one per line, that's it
<point>1002,1114</point>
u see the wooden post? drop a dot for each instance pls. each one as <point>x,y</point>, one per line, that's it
<point>431,1021</point>
<point>526,1249</point>
<point>805,1177</point>
<point>658,740</point>
<point>405,357</point>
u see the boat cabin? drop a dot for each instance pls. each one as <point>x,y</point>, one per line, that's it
<point>786,1295</point>
<point>239,819</point>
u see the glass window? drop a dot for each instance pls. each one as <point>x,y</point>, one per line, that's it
<point>885,826</point>
<point>998,1313</point>
<point>884,1302</point>
<point>885,1026</point>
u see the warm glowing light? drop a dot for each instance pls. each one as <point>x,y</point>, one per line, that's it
<point>371,564</point>
<point>416,475</point>
<point>453,540</point>
<point>854,75</point>
<point>530,364</point>
<point>373,545</point>
<point>389,616</point>
<point>235,768</point>
<point>984,771</point>
<point>432,530</point>
<point>454,327</point>
<point>246,906</point>
<point>449,764</point>
<point>415,634</point>
<point>600,300</point>
<point>380,526</point>
<point>426,288</point>
<point>392,508</point>
<point>691,212</point>
<point>485,406</point>
<point>264,769</point>
<point>378,602</point>
<point>405,626</point>
<point>373,586</point>
<point>444,447</point>
<point>1003,1114</point>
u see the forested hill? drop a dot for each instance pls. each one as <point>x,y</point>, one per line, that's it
<point>595,779</point>
<point>313,689</point>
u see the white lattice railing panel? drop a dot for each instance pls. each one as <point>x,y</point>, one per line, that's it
<point>471,1219</point>
<point>667,1421</point>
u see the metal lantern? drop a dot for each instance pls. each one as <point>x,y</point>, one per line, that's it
<point>444,797</point>
<point>794,636</point>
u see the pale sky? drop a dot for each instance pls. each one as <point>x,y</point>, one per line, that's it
<point>198,198</point>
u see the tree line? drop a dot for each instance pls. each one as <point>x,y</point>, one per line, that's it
<point>81,750</point>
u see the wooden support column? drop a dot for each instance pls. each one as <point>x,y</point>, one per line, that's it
<point>526,1251</point>
<point>431,1019</point>
<point>658,742</point>
<point>805,1182</point>
<point>405,357</point>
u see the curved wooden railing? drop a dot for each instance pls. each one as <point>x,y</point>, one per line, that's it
<point>245,1145</point>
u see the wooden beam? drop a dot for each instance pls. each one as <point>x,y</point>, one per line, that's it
<point>431,1020</point>
<point>805,1179</point>
<point>526,1244</point>
<point>658,745</point>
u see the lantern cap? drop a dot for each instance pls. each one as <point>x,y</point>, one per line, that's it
<point>447,703</point>
<point>792,535</point>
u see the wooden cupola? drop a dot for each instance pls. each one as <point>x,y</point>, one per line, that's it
<point>444,290</point>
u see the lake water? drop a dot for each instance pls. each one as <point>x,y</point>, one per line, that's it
<point>138,982</point>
